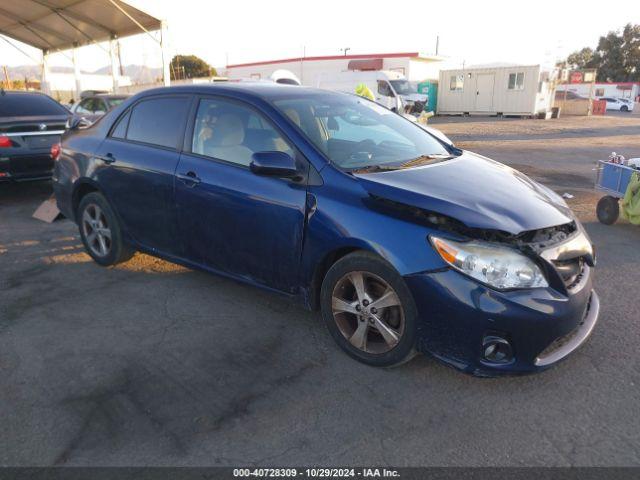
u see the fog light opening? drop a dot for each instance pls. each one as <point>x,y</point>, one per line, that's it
<point>497,349</point>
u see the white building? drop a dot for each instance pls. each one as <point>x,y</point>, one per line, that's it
<point>630,90</point>
<point>413,65</point>
<point>88,81</point>
<point>504,90</point>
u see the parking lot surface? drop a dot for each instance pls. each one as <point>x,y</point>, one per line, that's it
<point>149,363</point>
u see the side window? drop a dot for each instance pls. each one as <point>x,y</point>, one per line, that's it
<point>84,107</point>
<point>456,83</point>
<point>384,89</point>
<point>232,132</point>
<point>158,121</point>
<point>516,81</point>
<point>120,130</point>
<point>99,106</point>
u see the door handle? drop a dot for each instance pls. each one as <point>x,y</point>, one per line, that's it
<point>190,178</point>
<point>108,158</point>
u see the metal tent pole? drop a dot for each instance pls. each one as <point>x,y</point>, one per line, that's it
<point>45,85</point>
<point>76,71</point>
<point>113,54</point>
<point>166,61</point>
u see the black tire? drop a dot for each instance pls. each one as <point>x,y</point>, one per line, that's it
<point>624,108</point>
<point>116,251</point>
<point>369,264</point>
<point>608,210</point>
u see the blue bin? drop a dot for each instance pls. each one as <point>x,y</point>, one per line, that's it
<point>614,178</point>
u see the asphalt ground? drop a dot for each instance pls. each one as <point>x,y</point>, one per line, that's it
<point>149,363</point>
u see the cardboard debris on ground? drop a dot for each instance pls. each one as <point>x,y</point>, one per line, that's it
<point>47,211</point>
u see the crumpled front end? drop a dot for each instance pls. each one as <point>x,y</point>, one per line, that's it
<point>488,332</point>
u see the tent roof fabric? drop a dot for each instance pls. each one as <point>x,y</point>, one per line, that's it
<point>62,24</point>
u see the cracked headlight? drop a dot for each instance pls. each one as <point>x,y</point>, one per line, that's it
<point>499,267</point>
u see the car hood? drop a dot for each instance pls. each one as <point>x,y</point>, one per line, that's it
<point>475,190</point>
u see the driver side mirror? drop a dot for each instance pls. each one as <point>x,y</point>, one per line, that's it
<point>76,123</point>
<point>274,164</point>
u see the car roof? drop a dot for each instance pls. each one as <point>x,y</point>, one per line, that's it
<point>262,90</point>
<point>108,95</point>
<point>22,92</point>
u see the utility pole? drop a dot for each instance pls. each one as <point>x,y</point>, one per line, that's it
<point>345,50</point>
<point>437,44</point>
<point>6,77</point>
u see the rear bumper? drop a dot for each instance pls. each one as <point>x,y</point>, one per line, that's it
<point>33,166</point>
<point>541,325</point>
<point>63,193</point>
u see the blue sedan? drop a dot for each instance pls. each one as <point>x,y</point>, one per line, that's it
<point>404,242</point>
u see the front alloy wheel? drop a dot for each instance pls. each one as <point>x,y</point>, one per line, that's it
<point>369,310</point>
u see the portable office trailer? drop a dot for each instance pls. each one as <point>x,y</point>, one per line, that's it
<point>512,90</point>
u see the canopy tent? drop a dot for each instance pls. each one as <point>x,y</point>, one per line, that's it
<point>56,25</point>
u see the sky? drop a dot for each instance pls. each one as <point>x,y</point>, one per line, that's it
<point>473,32</point>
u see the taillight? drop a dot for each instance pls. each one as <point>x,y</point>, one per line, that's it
<point>5,142</point>
<point>55,151</point>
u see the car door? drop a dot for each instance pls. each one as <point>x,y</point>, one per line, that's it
<point>231,219</point>
<point>138,160</point>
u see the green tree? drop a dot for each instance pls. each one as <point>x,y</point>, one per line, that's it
<point>581,59</point>
<point>617,56</point>
<point>190,66</point>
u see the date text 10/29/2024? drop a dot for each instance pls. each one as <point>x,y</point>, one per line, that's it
<point>315,473</point>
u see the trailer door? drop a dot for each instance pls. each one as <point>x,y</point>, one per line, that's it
<point>484,92</point>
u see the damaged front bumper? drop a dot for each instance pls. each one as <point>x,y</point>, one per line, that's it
<point>541,326</point>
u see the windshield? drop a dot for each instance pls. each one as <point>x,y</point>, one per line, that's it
<point>403,87</point>
<point>354,132</point>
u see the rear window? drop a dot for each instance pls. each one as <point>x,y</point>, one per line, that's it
<point>114,102</point>
<point>29,105</point>
<point>158,121</point>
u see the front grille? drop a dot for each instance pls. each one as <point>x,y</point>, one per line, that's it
<point>571,271</point>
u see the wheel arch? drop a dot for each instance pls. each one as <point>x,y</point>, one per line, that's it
<point>326,262</point>
<point>82,188</point>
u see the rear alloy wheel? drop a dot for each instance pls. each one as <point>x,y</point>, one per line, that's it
<point>100,231</point>
<point>369,310</point>
<point>96,230</point>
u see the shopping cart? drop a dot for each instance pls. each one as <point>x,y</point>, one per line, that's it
<point>613,179</point>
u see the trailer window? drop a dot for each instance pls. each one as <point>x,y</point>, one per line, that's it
<point>516,81</point>
<point>456,82</point>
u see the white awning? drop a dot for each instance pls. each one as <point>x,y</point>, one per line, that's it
<point>53,25</point>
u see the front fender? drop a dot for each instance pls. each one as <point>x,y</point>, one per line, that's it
<point>342,218</point>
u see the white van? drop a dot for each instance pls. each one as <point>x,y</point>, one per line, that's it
<point>390,89</point>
